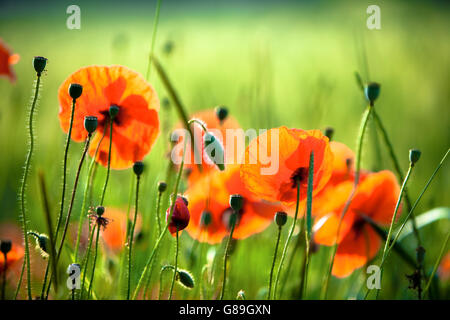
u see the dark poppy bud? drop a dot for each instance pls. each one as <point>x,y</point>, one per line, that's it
<point>281,218</point>
<point>185,278</point>
<point>240,295</point>
<point>372,91</point>
<point>180,215</point>
<point>39,64</point>
<point>100,210</point>
<point>138,167</point>
<point>162,186</point>
<point>236,202</point>
<point>414,156</point>
<point>90,124</point>
<point>113,111</point>
<point>205,219</point>
<point>329,131</point>
<point>75,90</point>
<point>214,150</point>
<point>221,113</point>
<point>5,246</point>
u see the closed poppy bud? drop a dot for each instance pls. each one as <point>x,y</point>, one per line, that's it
<point>39,64</point>
<point>90,124</point>
<point>180,215</point>
<point>185,278</point>
<point>75,90</point>
<point>214,150</point>
<point>113,111</point>
<point>329,131</point>
<point>138,167</point>
<point>372,91</point>
<point>42,243</point>
<point>221,113</point>
<point>162,186</point>
<point>205,219</point>
<point>236,202</point>
<point>5,246</point>
<point>100,210</point>
<point>414,156</point>
<point>281,218</point>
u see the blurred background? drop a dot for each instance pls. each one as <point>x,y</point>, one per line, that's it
<point>271,63</point>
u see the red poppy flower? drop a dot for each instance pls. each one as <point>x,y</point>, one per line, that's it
<point>115,233</point>
<point>180,215</point>
<point>6,61</point>
<point>376,198</point>
<point>135,127</point>
<point>444,267</point>
<point>294,147</point>
<point>12,257</point>
<point>211,194</point>
<point>219,129</point>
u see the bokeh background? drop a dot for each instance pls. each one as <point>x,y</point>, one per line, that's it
<point>271,63</point>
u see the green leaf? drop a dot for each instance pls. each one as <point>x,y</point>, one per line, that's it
<point>425,219</point>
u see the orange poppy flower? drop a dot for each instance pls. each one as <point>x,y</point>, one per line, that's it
<point>444,267</point>
<point>12,257</point>
<point>211,194</point>
<point>376,198</point>
<point>211,122</point>
<point>115,233</point>
<point>294,147</point>
<point>6,61</point>
<point>135,127</point>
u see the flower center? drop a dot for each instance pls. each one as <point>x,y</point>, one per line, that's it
<point>300,175</point>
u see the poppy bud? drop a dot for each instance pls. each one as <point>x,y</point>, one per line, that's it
<point>165,102</point>
<point>214,150</point>
<point>240,295</point>
<point>329,131</point>
<point>75,90</point>
<point>42,243</point>
<point>205,219</point>
<point>372,91</point>
<point>39,64</point>
<point>180,215</point>
<point>185,278</point>
<point>90,124</point>
<point>138,167</point>
<point>113,111</point>
<point>414,156</point>
<point>162,186</point>
<point>5,246</point>
<point>281,218</point>
<point>236,202</point>
<point>100,210</point>
<point>221,113</point>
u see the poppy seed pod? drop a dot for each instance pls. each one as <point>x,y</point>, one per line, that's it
<point>414,156</point>
<point>236,202</point>
<point>138,168</point>
<point>75,90</point>
<point>185,278</point>
<point>5,246</point>
<point>162,186</point>
<point>281,218</point>
<point>372,91</point>
<point>180,215</point>
<point>39,64</point>
<point>100,210</point>
<point>90,124</point>
<point>214,150</point>
<point>205,218</point>
<point>329,131</point>
<point>221,113</point>
<point>113,111</point>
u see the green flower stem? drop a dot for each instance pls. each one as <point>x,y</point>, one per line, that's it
<point>158,242</point>
<point>91,282</point>
<point>152,48</point>
<point>109,161</point>
<point>436,265</point>
<point>158,212</point>
<point>130,250</point>
<point>362,129</point>
<point>26,260</point>
<point>86,262</point>
<point>5,269</point>
<point>273,262</point>
<point>288,240</point>
<point>164,268</point>
<point>176,265</point>
<point>225,258</point>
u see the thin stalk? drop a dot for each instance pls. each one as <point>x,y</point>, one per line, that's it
<point>288,240</point>
<point>436,265</point>
<point>176,265</point>
<point>130,250</point>
<point>158,212</point>
<point>86,263</point>
<point>152,48</point>
<point>5,267</point>
<point>94,262</point>
<point>164,268</point>
<point>273,263</point>
<point>109,161</point>
<point>26,260</point>
<point>225,258</point>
